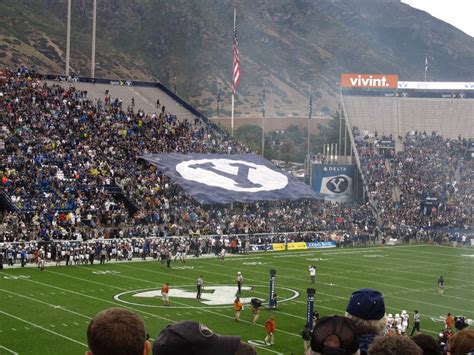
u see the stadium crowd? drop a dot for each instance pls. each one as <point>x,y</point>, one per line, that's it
<point>425,186</point>
<point>70,168</point>
<point>66,156</point>
<point>71,172</point>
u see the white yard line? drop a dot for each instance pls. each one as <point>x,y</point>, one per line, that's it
<point>302,302</point>
<point>432,284</point>
<point>9,350</point>
<point>46,303</point>
<point>463,311</point>
<point>97,299</point>
<point>43,328</point>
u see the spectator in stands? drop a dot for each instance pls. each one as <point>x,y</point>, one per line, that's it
<point>334,335</point>
<point>462,342</point>
<point>427,344</point>
<point>189,337</point>
<point>116,331</point>
<point>394,345</point>
<point>366,308</point>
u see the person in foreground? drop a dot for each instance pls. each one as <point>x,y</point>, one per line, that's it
<point>366,308</point>
<point>194,338</point>
<point>462,342</point>
<point>117,331</point>
<point>334,335</point>
<point>394,345</point>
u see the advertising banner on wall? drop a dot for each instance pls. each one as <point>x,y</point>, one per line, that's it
<point>334,182</point>
<point>292,246</point>
<point>436,85</point>
<point>369,81</point>
<point>319,245</point>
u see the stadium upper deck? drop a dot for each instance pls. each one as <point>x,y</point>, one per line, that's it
<point>385,105</point>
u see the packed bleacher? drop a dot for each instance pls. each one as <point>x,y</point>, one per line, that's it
<point>70,167</point>
<point>70,170</point>
<point>426,185</point>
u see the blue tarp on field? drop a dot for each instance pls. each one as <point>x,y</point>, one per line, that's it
<point>221,178</point>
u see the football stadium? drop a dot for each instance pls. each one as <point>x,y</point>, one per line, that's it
<point>132,223</point>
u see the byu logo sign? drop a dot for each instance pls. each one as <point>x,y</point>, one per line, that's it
<point>233,175</point>
<point>338,184</point>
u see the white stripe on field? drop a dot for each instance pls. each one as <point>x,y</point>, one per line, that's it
<point>43,328</point>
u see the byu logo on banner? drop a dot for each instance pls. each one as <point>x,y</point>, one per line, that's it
<point>336,185</point>
<point>233,175</point>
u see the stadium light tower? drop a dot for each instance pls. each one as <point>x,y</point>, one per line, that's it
<point>94,17</point>
<point>68,36</point>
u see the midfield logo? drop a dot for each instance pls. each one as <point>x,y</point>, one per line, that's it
<point>212,296</point>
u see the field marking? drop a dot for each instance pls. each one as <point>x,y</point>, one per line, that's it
<point>191,307</point>
<point>142,280</point>
<point>379,269</point>
<point>370,281</point>
<point>98,299</point>
<point>298,301</point>
<point>346,287</point>
<point>208,310</point>
<point>46,303</point>
<point>401,271</point>
<point>302,302</point>
<point>43,328</point>
<point>422,261</point>
<point>9,350</point>
<point>458,265</point>
<point>295,295</point>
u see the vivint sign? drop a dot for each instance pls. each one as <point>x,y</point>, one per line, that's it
<point>369,81</point>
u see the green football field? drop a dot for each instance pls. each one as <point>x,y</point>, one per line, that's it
<point>48,312</point>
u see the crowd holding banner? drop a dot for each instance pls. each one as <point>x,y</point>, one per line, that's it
<point>67,157</point>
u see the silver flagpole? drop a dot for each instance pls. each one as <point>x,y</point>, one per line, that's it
<point>68,36</point>
<point>94,20</point>
<point>233,91</point>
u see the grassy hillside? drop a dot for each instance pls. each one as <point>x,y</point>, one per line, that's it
<point>286,45</point>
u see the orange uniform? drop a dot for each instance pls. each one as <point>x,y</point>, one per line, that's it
<point>270,326</point>
<point>238,306</point>
<point>449,321</point>
<point>165,288</point>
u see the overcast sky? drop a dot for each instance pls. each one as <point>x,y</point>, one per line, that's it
<point>455,12</point>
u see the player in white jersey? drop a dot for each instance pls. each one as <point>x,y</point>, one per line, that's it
<point>41,263</point>
<point>222,255</point>
<point>398,322</point>
<point>404,324</point>
<point>390,321</point>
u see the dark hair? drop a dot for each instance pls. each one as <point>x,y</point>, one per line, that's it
<point>116,331</point>
<point>427,344</point>
<point>245,349</point>
<point>394,345</point>
<point>462,342</point>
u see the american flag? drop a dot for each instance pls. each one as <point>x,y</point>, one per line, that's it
<point>236,63</point>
